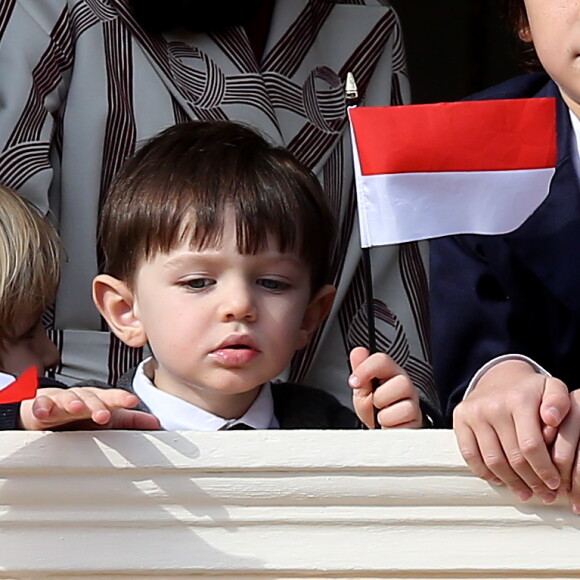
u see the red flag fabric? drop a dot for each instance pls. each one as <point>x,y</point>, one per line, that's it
<point>22,388</point>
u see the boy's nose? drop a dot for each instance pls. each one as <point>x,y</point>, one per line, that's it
<point>239,304</point>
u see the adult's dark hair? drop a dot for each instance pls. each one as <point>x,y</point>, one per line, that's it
<point>177,187</point>
<point>516,17</point>
<point>194,15</point>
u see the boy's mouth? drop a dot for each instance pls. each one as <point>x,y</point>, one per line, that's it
<point>236,351</point>
<point>238,342</point>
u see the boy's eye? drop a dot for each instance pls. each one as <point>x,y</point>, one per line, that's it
<point>199,283</point>
<point>272,284</point>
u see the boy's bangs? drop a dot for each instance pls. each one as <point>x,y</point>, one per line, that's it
<point>257,226</point>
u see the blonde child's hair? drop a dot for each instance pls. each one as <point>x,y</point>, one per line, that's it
<point>29,262</point>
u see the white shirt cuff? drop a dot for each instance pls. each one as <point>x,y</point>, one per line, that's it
<point>495,361</point>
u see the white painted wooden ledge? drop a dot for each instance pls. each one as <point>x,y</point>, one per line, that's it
<point>266,504</point>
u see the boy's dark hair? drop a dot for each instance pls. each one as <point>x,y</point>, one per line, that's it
<point>178,185</point>
<point>514,12</point>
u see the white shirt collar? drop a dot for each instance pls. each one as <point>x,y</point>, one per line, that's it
<point>175,414</point>
<point>575,141</point>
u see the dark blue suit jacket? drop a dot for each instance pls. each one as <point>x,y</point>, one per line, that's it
<point>519,292</point>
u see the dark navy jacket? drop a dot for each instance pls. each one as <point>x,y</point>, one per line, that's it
<point>514,293</point>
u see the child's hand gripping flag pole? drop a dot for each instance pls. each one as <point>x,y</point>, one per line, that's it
<point>425,171</point>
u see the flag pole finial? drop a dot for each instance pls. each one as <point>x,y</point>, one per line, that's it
<point>351,90</point>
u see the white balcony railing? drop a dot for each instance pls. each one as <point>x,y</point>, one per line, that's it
<point>266,504</point>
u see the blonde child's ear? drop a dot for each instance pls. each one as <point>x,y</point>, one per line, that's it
<point>317,311</point>
<point>116,303</point>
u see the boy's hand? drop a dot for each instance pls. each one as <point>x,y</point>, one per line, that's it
<point>505,425</point>
<point>565,453</point>
<point>91,407</point>
<point>396,397</point>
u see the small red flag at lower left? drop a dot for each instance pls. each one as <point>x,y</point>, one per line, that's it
<point>24,387</point>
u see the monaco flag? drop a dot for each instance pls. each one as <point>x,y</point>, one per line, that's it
<point>424,171</point>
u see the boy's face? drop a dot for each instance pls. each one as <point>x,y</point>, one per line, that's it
<point>554,29</point>
<point>32,347</point>
<point>220,323</point>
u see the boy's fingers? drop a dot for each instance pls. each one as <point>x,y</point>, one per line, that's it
<point>493,444</point>
<point>129,419</point>
<point>531,450</point>
<point>357,356</point>
<point>549,434</point>
<point>100,403</point>
<point>499,462</point>
<point>54,407</point>
<point>362,401</point>
<point>555,403</point>
<point>469,449</point>
<point>97,398</point>
<point>574,495</point>
<point>402,413</point>
<point>563,454</point>
<point>398,388</point>
<point>565,448</point>
<point>377,366</point>
<point>42,407</point>
<point>67,403</point>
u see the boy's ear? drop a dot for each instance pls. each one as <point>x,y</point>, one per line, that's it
<point>317,311</point>
<point>116,303</point>
<point>525,34</point>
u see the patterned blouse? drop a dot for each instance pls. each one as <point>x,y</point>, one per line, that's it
<point>82,84</point>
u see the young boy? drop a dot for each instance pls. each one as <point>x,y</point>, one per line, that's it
<point>216,247</point>
<point>508,305</point>
<point>29,274</point>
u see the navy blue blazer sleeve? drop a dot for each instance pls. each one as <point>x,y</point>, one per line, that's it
<point>470,315</point>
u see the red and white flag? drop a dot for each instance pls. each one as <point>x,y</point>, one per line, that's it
<point>15,390</point>
<point>424,171</point>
